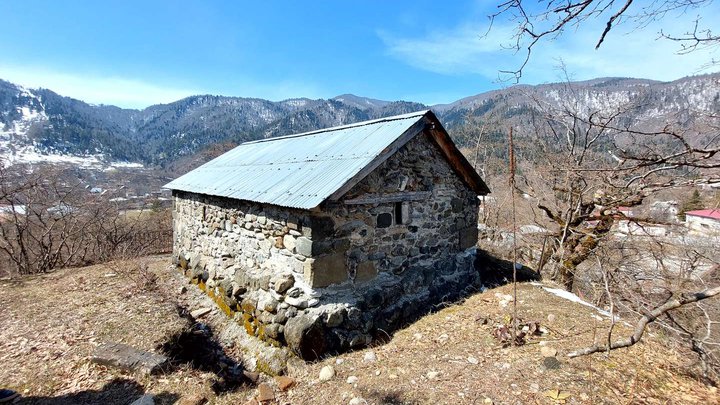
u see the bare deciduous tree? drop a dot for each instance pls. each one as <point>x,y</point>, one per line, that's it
<point>538,21</point>
<point>48,221</point>
<point>581,171</point>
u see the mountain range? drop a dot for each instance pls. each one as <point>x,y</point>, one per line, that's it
<point>41,125</point>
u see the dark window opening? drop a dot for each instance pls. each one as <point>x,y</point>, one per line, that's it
<point>384,220</point>
<point>398,213</point>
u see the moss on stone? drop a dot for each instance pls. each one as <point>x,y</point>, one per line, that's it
<point>247,307</point>
<point>264,367</point>
<point>224,306</point>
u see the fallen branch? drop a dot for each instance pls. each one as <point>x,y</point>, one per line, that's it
<point>671,304</point>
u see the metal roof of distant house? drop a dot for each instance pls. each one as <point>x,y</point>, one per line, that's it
<point>711,213</point>
<point>303,170</point>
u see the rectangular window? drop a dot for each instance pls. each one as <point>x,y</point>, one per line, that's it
<point>398,213</point>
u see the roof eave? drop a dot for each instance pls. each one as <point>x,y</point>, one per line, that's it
<point>455,158</point>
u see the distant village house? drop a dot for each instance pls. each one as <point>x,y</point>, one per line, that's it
<point>703,222</point>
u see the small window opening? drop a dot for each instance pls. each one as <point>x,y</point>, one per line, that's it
<point>384,220</point>
<point>398,213</point>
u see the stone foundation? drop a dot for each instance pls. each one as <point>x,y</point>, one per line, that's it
<point>314,322</point>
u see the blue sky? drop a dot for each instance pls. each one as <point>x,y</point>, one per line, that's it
<point>136,53</point>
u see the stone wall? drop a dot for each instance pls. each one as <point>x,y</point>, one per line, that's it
<point>328,280</point>
<point>230,235</point>
<point>396,236</point>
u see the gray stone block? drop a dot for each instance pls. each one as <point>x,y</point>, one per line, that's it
<point>327,270</point>
<point>468,237</point>
<point>365,271</point>
<point>304,246</point>
<point>128,358</point>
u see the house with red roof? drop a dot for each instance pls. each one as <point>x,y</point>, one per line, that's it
<point>703,221</point>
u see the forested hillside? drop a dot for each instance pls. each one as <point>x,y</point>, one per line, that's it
<point>39,122</point>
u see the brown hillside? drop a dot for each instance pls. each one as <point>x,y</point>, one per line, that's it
<point>52,323</point>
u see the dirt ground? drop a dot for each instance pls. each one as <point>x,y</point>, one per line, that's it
<point>50,325</point>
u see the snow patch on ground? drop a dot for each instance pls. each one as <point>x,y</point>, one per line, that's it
<point>570,297</point>
<point>28,154</point>
<point>127,165</point>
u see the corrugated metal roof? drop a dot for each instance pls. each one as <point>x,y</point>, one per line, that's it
<point>707,213</point>
<point>298,171</point>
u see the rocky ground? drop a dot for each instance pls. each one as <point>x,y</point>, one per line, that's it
<point>53,324</point>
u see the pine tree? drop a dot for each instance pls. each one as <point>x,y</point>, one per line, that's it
<point>693,203</point>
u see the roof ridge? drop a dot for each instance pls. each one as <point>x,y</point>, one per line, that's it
<point>346,126</point>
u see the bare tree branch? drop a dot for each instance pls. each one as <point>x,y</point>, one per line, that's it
<point>673,303</point>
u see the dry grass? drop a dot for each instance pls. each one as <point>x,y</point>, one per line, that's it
<point>51,324</point>
<point>450,341</point>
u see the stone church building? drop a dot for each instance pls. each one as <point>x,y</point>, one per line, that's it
<point>320,239</point>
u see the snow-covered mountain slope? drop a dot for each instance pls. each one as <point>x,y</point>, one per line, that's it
<point>643,101</point>
<point>40,125</point>
<point>23,120</point>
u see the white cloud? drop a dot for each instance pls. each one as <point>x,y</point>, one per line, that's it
<point>626,52</point>
<point>464,49</point>
<point>117,91</point>
<point>135,93</point>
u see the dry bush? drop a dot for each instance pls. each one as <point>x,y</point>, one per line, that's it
<point>137,271</point>
<point>50,221</point>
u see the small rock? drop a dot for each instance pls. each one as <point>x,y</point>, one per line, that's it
<point>370,357</point>
<point>294,292</point>
<point>284,283</point>
<point>352,379</point>
<point>357,401</point>
<point>284,382</point>
<point>147,399</point>
<point>253,377</point>
<point>334,319</point>
<point>378,372</point>
<point>265,393</point>
<point>297,302</point>
<point>289,242</point>
<point>547,351</point>
<point>551,363</point>
<point>488,401</point>
<point>534,388</point>
<point>551,318</point>
<point>200,312</point>
<point>431,375</point>
<point>473,360</point>
<point>183,290</point>
<point>339,361</point>
<point>327,373</point>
